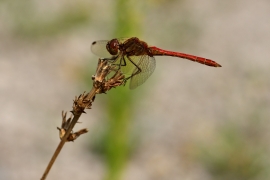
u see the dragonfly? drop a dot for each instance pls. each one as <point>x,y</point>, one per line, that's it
<point>136,59</point>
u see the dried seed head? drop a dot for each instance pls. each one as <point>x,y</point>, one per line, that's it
<point>107,76</point>
<point>72,136</point>
<point>81,103</point>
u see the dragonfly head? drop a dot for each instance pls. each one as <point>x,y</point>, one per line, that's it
<point>113,47</point>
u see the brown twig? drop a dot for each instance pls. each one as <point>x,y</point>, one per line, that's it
<point>101,84</point>
<point>64,127</point>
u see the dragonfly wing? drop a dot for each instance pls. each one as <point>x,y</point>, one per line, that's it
<point>99,49</point>
<point>147,65</point>
<point>127,67</point>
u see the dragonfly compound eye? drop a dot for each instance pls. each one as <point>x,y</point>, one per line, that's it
<point>113,46</point>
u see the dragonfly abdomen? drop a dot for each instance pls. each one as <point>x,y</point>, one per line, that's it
<point>161,52</point>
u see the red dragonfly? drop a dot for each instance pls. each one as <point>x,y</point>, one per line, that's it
<point>135,58</point>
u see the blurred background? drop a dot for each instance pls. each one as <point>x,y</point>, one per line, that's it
<point>188,121</point>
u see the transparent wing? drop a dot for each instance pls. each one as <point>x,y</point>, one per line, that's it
<point>147,65</point>
<point>126,66</point>
<point>99,49</point>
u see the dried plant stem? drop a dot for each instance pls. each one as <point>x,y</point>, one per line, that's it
<point>101,84</point>
<point>75,119</point>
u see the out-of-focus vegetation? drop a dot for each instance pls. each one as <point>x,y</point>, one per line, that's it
<point>235,155</point>
<point>34,27</point>
<point>116,141</point>
<point>32,22</point>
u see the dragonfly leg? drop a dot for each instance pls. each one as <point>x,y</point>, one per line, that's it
<point>139,70</point>
<point>112,60</point>
<point>122,62</point>
<point>118,67</point>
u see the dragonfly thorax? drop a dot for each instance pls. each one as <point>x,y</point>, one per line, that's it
<point>134,47</point>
